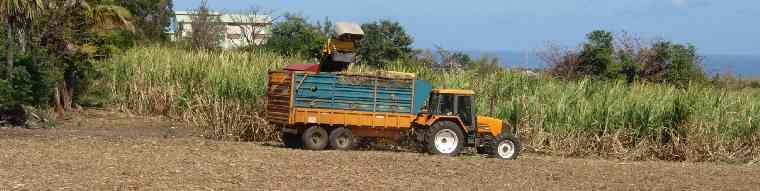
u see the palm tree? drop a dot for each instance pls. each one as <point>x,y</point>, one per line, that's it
<point>102,18</point>
<point>13,13</point>
<point>106,17</point>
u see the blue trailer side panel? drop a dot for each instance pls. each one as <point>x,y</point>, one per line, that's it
<point>359,93</point>
<point>422,91</point>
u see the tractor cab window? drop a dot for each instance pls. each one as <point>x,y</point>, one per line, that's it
<point>464,109</point>
<point>432,103</point>
<point>447,104</point>
<point>442,104</point>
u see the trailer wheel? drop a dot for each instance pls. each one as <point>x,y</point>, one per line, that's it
<point>506,146</point>
<point>314,138</point>
<point>445,138</point>
<point>341,139</point>
<point>291,140</point>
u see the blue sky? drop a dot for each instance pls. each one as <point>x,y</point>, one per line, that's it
<point>715,27</point>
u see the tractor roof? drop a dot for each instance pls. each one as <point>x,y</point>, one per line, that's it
<point>454,91</point>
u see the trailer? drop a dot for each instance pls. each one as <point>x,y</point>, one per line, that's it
<point>330,110</point>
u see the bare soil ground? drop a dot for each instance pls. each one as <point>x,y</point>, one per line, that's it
<point>102,150</point>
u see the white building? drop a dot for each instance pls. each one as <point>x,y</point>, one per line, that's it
<point>241,30</point>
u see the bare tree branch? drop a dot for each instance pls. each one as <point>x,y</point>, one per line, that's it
<point>253,25</point>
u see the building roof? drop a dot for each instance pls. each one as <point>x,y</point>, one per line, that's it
<point>186,17</point>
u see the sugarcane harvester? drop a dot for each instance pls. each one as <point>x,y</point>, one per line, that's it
<point>327,108</point>
<point>340,49</point>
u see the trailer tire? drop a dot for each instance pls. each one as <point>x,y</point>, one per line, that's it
<point>445,138</point>
<point>291,140</point>
<point>341,139</point>
<point>506,146</point>
<point>315,138</point>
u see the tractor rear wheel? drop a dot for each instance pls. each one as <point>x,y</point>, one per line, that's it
<point>445,138</point>
<point>506,146</point>
<point>315,138</point>
<point>341,139</point>
<point>291,140</point>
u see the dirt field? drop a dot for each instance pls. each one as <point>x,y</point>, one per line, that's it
<point>113,151</point>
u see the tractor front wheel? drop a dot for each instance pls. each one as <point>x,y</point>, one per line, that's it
<point>506,147</point>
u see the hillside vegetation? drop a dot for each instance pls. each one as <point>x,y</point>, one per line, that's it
<point>223,92</point>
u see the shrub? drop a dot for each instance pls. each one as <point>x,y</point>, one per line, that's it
<point>6,92</point>
<point>754,84</point>
<point>27,84</point>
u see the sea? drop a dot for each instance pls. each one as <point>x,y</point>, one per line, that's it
<point>743,66</point>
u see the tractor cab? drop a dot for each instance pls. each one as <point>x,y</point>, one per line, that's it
<point>454,103</point>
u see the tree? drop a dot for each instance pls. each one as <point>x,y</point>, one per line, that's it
<point>486,64</point>
<point>681,62</point>
<point>59,43</point>
<point>597,54</point>
<point>326,26</point>
<point>16,13</point>
<point>630,54</point>
<point>152,17</point>
<point>71,46</point>
<point>561,62</point>
<point>254,25</point>
<point>207,28</point>
<point>295,36</point>
<point>384,41</point>
<point>462,58</point>
<point>424,56</point>
<point>454,59</point>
